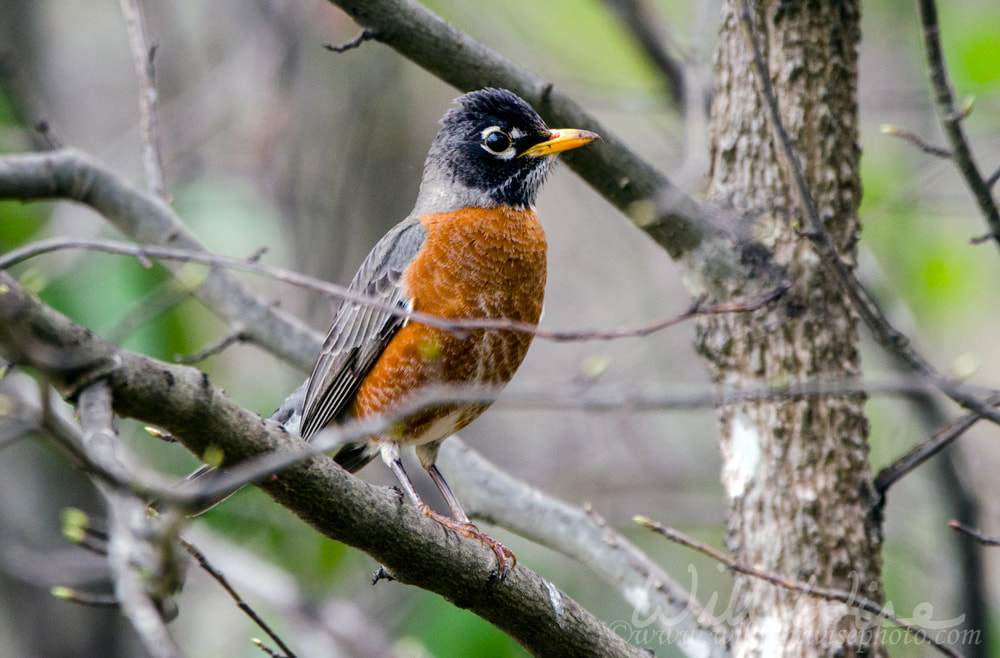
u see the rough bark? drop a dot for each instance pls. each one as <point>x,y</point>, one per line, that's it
<point>796,472</point>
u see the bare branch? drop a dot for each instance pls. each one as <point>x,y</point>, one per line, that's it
<point>580,534</point>
<point>69,174</point>
<point>142,58</point>
<point>144,253</point>
<point>924,451</point>
<point>994,177</point>
<point>975,534</point>
<point>334,626</point>
<point>951,119</point>
<point>635,16</point>
<point>234,595</point>
<point>264,648</point>
<point>217,348</point>
<point>142,580</point>
<point>851,599</point>
<point>372,519</point>
<point>364,35</point>
<point>198,494</point>
<point>915,139</point>
<point>155,303</point>
<point>84,598</point>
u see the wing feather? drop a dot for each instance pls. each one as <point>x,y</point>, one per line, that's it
<point>360,332</point>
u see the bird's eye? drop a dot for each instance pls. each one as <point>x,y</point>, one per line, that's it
<point>496,140</point>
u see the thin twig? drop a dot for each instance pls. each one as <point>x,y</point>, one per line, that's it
<point>266,649</point>
<point>915,139</point>
<point>581,534</point>
<point>850,599</point>
<point>217,348</point>
<point>189,498</point>
<point>994,177</point>
<point>975,534</point>
<point>142,58</point>
<point>590,399</point>
<point>156,302</point>
<point>84,531</point>
<point>84,598</point>
<point>145,218</point>
<point>951,118</point>
<point>202,493</point>
<point>47,133</point>
<point>927,449</point>
<point>364,35</point>
<point>341,292</point>
<point>220,578</point>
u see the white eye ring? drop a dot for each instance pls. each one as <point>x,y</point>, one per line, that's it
<point>508,151</point>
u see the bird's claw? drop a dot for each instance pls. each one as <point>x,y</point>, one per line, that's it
<point>506,560</point>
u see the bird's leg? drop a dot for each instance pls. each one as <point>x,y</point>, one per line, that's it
<point>461,524</point>
<point>427,454</point>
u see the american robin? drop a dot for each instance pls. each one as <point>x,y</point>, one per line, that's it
<point>472,248</point>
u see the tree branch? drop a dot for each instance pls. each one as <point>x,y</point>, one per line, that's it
<point>951,119</point>
<point>247,609</point>
<point>144,253</point>
<point>635,16</point>
<point>851,599</point>
<point>975,534</point>
<point>915,139</point>
<point>711,242</point>
<point>920,453</point>
<point>140,555</point>
<point>495,496</point>
<point>332,626</point>
<point>373,519</point>
<point>142,58</point>
<point>70,174</point>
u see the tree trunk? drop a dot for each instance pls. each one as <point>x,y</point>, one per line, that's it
<point>796,471</point>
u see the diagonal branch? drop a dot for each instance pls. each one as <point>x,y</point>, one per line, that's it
<point>247,609</point>
<point>951,119</point>
<point>373,519</point>
<point>70,174</point>
<point>493,495</point>
<point>920,453</point>
<point>635,16</point>
<point>851,599</point>
<point>705,238</point>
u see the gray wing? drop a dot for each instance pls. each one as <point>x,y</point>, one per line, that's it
<point>360,332</point>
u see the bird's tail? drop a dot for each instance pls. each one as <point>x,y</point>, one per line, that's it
<point>353,456</point>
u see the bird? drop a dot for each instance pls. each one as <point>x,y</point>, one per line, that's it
<point>471,249</point>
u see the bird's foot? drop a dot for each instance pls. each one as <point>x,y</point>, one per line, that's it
<point>506,560</point>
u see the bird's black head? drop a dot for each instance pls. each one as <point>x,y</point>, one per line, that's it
<point>492,150</point>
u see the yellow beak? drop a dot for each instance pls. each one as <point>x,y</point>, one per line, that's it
<point>561,140</point>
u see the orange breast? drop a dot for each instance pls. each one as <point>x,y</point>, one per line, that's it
<point>475,263</point>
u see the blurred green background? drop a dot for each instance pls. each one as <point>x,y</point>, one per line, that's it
<point>270,140</point>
